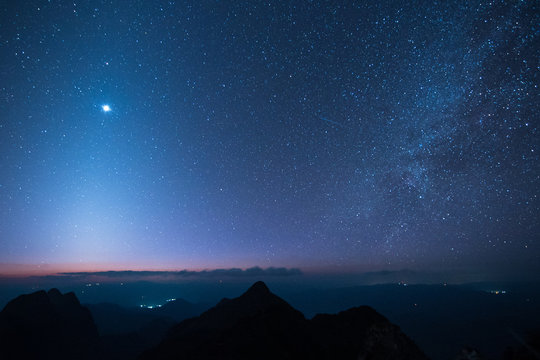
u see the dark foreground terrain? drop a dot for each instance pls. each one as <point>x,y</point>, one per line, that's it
<point>255,325</point>
<point>261,325</point>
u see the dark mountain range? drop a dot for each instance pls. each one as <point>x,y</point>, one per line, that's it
<point>47,325</point>
<point>126,332</point>
<point>113,319</point>
<point>442,319</point>
<point>178,309</point>
<point>258,324</point>
<point>362,332</point>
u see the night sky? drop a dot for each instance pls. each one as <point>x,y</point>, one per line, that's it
<point>344,136</point>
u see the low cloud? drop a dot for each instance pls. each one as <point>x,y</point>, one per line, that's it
<point>233,273</point>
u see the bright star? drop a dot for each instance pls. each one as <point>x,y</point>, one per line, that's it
<point>106,108</point>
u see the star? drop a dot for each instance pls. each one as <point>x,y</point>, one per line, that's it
<point>106,108</point>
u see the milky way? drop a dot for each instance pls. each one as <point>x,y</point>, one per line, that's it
<point>336,135</point>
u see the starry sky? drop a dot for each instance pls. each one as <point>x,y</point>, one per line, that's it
<point>336,135</point>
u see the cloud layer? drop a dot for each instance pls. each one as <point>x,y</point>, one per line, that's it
<point>233,272</point>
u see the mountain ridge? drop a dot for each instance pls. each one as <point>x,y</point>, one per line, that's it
<point>259,324</point>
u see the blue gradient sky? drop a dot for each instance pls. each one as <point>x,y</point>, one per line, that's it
<point>331,135</point>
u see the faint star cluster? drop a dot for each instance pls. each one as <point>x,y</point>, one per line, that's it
<point>351,134</point>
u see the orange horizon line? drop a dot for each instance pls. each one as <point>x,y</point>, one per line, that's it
<point>26,270</point>
<point>61,272</point>
<point>39,270</point>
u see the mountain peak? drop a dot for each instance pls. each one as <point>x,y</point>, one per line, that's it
<point>47,325</point>
<point>54,292</point>
<point>258,288</point>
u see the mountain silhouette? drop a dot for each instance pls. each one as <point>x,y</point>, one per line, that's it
<point>126,332</point>
<point>257,324</point>
<point>261,325</point>
<point>178,309</point>
<point>47,325</point>
<point>363,333</point>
